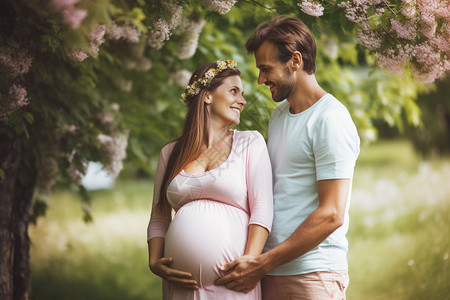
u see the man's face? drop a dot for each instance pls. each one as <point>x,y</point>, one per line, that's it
<point>273,73</point>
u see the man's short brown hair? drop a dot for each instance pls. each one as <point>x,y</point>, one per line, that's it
<point>288,34</point>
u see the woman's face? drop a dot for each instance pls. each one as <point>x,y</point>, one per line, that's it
<point>226,102</point>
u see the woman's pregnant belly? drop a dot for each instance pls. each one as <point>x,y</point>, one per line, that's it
<point>203,235</point>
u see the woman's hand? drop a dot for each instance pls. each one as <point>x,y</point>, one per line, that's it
<point>162,268</point>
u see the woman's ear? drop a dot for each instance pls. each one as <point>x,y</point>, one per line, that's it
<point>208,98</point>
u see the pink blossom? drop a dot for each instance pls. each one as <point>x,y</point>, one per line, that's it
<point>369,39</point>
<point>175,13</point>
<point>16,62</point>
<point>428,29</point>
<point>62,4</point>
<point>389,60</point>
<point>355,11</point>
<point>97,37</point>
<point>128,33</point>
<point>405,31</point>
<point>74,16</point>
<point>19,95</point>
<point>220,6</point>
<point>425,54</point>
<point>429,73</point>
<point>311,8</point>
<point>441,43</point>
<point>71,15</point>
<point>408,9</point>
<point>114,148</point>
<point>76,54</point>
<point>16,98</point>
<point>188,46</point>
<point>434,7</point>
<point>159,34</point>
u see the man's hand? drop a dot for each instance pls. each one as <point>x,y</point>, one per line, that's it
<point>162,268</point>
<point>242,274</point>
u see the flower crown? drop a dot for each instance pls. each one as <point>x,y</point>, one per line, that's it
<point>194,88</point>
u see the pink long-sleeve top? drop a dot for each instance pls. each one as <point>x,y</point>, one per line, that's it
<point>243,180</point>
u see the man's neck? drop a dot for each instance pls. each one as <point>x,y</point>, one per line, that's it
<point>307,92</point>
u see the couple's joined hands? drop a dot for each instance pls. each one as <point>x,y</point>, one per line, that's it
<point>242,274</point>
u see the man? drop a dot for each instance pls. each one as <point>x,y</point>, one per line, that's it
<point>313,145</point>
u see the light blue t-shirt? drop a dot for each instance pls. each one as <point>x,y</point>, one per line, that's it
<point>316,144</point>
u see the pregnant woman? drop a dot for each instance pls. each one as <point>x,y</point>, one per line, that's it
<point>219,183</point>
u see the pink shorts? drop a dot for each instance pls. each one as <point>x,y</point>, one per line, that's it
<point>323,285</point>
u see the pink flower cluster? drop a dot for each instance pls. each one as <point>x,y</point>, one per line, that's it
<point>72,171</point>
<point>188,46</point>
<point>161,31</point>
<point>419,28</point>
<point>15,62</point>
<point>72,16</point>
<point>128,33</point>
<point>311,8</point>
<point>96,37</point>
<point>15,99</point>
<point>114,148</point>
<point>220,6</point>
<point>404,31</point>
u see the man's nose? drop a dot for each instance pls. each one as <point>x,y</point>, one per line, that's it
<point>261,78</point>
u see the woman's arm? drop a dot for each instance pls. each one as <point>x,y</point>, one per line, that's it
<point>257,236</point>
<point>157,228</point>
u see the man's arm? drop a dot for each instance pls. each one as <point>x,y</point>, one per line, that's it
<point>244,273</point>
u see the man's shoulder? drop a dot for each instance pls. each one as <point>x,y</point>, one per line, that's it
<point>331,106</point>
<point>281,109</point>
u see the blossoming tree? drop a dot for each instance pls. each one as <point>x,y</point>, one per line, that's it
<point>100,81</point>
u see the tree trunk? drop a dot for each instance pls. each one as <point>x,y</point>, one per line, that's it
<point>16,191</point>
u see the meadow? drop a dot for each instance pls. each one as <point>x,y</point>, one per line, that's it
<point>399,235</point>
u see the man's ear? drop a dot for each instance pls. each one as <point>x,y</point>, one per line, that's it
<point>208,97</point>
<point>296,61</point>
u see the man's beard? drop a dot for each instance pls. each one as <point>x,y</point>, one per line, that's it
<point>284,89</point>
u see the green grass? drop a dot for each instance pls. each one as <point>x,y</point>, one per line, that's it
<point>399,235</point>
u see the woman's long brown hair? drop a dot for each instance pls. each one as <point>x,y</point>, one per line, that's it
<point>195,134</point>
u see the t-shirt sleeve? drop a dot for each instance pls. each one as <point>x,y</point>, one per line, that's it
<point>259,182</point>
<point>335,146</point>
<point>159,220</point>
